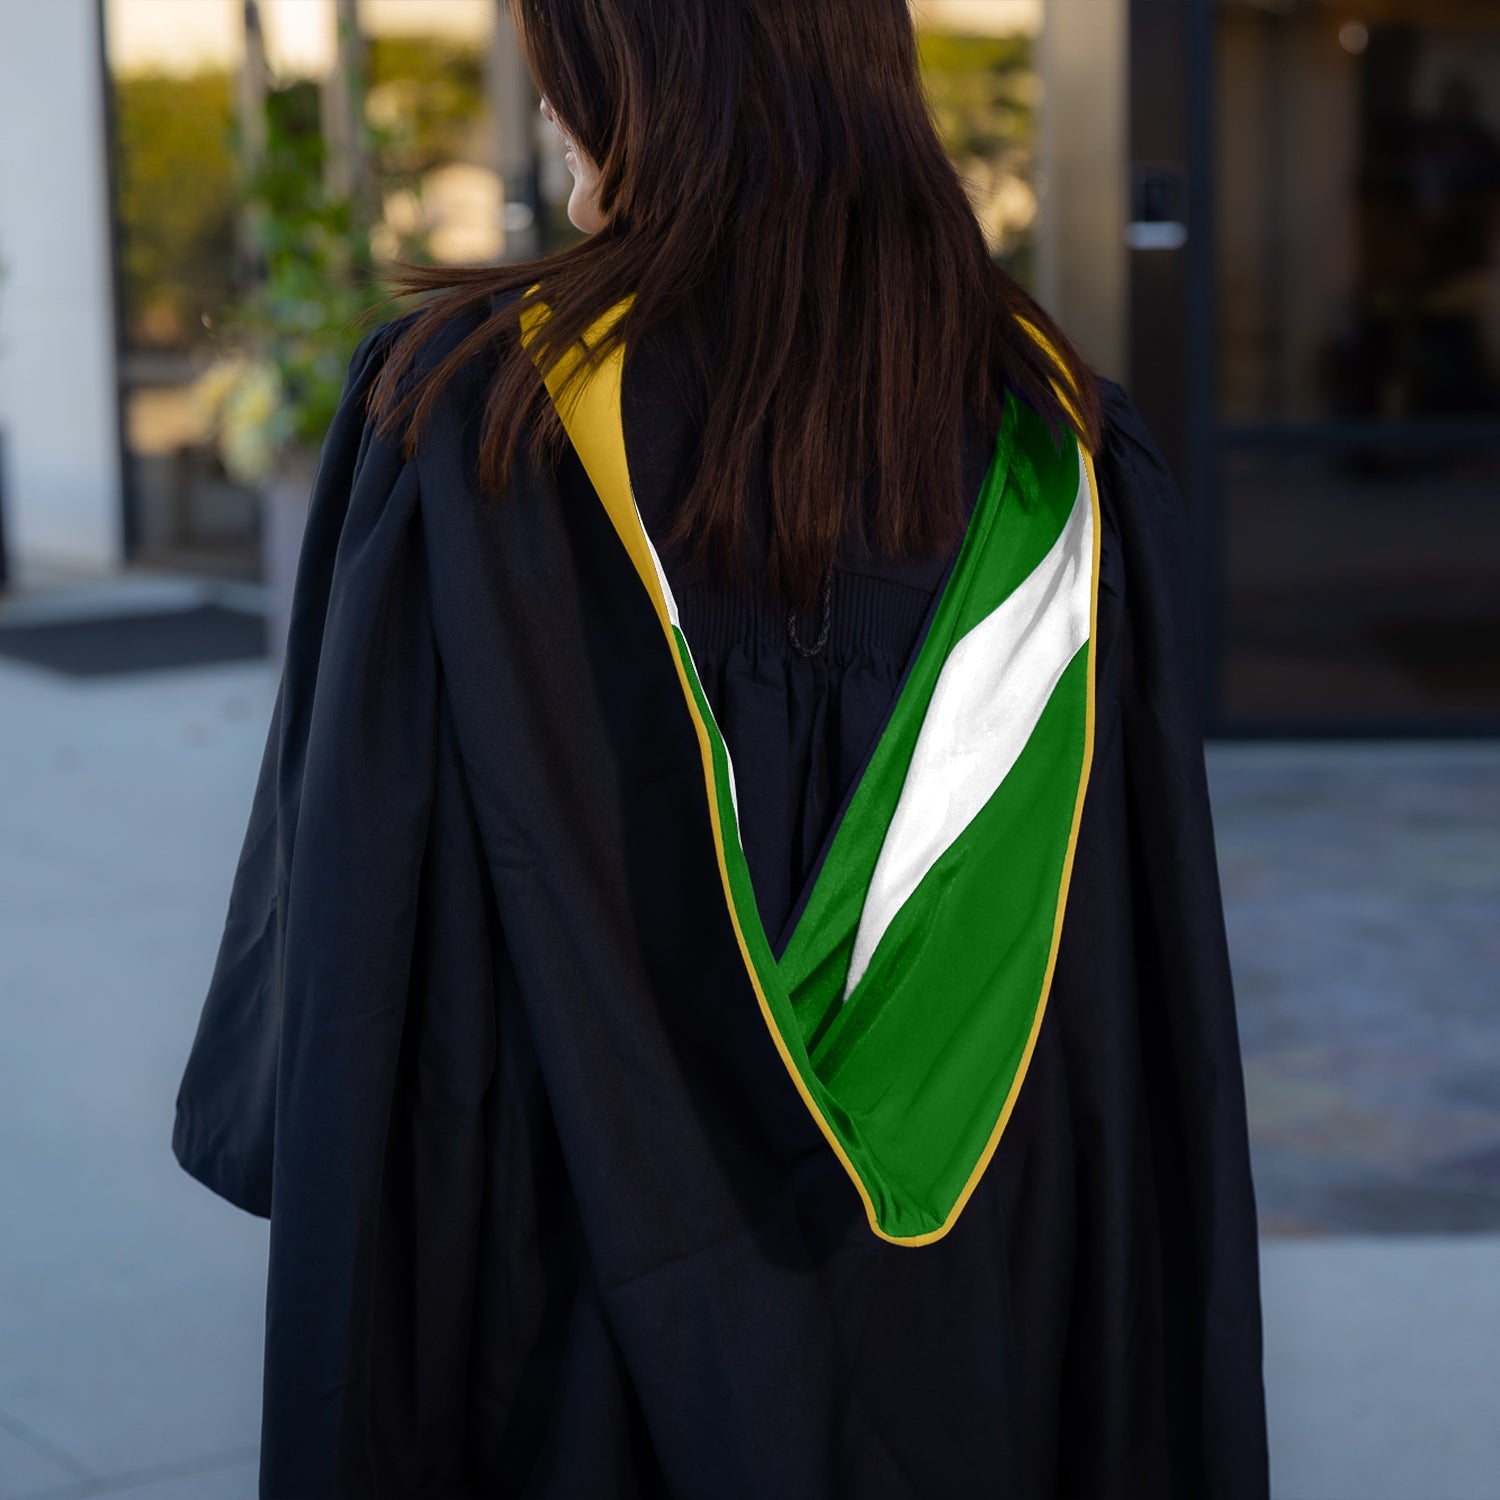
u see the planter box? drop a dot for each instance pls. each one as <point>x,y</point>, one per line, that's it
<point>284,505</point>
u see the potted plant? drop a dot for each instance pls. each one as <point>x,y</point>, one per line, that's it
<point>268,401</point>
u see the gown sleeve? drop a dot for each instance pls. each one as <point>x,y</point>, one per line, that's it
<point>1194,1077</point>
<point>322,896</point>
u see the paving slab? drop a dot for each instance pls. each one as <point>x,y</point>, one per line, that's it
<point>227,1477</point>
<point>131,1300</point>
<point>28,1464</point>
<point>1361,889</point>
<point>1383,1367</point>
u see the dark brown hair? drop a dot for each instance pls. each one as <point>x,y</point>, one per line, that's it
<point>774,188</point>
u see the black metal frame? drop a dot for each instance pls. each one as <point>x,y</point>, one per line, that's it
<point>1202,358</point>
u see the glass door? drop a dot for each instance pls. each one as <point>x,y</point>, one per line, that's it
<point>1355,446</point>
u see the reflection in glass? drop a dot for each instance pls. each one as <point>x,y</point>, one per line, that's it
<point>177,89</point>
<point>1360,587</point>
<point>1358,210</point>
<point>979,69</point>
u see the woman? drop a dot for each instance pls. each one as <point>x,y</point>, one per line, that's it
<point>724,991</point>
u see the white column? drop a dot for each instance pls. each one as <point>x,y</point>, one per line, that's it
<point>514,104</point>
<point>58,405</point>
<point>1082,265</point>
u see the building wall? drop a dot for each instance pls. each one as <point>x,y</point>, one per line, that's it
<point>58,402</point>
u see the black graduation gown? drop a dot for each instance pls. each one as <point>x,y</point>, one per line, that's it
<point>548,1216</point>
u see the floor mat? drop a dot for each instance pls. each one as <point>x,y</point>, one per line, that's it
<point>112,645</point>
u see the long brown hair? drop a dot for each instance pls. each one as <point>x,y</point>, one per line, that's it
<point>773,186</point>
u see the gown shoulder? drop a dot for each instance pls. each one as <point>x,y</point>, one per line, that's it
<point>345,733</point>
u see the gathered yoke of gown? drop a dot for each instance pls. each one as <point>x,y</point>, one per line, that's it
<point>800,704</point>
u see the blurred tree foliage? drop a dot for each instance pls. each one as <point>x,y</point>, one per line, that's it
<point>175,167</point>
<point>314,277</point>
<point>314,287</point>
<point>427,97</point>
<point>983,92</point>
<point>176,157</point>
